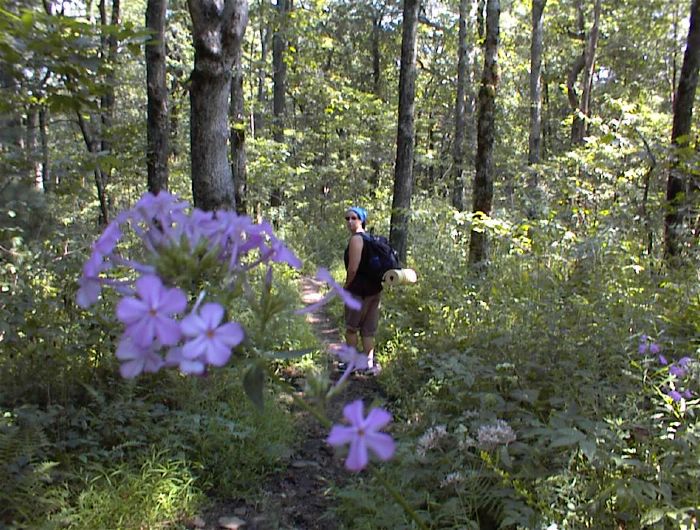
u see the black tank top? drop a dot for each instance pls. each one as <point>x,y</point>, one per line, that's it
<point>361,285</point>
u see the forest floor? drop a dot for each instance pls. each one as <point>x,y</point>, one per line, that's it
<point>299,496</point>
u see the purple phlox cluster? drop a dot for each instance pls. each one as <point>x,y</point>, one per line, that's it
<point>363,435</point>
<point>150,309</point>
<point>336,290</point>
<point>678,370</point>
<point>353,361</point>
<point>494,434</point>
<point>648,346</point>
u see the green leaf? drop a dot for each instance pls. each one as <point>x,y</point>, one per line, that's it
<point>253,384</point>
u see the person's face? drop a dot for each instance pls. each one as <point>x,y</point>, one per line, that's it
<point>352,221</point>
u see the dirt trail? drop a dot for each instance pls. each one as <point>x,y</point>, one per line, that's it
<point>299,496</point>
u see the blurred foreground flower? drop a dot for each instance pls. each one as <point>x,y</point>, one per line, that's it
<point>363,435</point>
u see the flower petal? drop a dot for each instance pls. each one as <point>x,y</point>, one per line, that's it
<point>381,444</point>
<point>376,419</point>
<point>341,435</point>
<point>131,369</point>
<point>130,310</point>
<point>231,334</point>
<point>212,314</point>
<point>353,412</point>
<point>167,330</point>
<point>357,456</point>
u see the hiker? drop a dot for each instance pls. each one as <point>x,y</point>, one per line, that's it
<point>361,285</point>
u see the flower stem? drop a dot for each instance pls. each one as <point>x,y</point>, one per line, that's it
<point>399,498</point>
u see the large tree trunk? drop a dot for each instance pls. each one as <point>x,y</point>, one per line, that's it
<point>279,80</point>
<point>535,140</point>
<point>218,34</point>
<point>238,130</point>
<point>677,188</point>
<point>483,179</point>
<point>458,199</point>
<point>403,170</point>
<point>157,128</point>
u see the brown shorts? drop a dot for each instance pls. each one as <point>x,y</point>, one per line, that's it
<point>366,318</point>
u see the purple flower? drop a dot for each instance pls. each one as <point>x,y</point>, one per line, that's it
<point>90,284</point>
<point>643,348</point>
<point>109,238</point>
<point>209,340</point>
<point>677,371</point>
<point>654,348</point>
<point>336,290</point>
<point>147,317</point>
<point>136,359</point>
<point>675,395</point>
<point>663,360</point>
<point>687,394</point>
<point>353,359</point>
<point>362,434</point>
<point>174,357</point>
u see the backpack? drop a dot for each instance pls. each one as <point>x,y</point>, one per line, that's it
<point>381,257</point>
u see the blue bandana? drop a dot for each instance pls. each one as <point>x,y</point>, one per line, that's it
<point>361,213</point>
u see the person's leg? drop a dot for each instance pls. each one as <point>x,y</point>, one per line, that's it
<point>369,328</point>
<point>351,338</point>
<point>368,348</point>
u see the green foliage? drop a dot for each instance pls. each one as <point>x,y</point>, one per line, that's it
<point>159,493</point>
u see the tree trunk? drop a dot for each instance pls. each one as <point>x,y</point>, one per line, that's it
<point>31,147</point>
<point>45,156</point>
<point>238,130</point>
<point>583,105</point>
<point>157,128</point>
<point>483,179</point>
<point>218,31</point>
<point>377,90</point>
<point>677,187</point>
<point>259,113</point>
<point>458,199</point>
<point>403,170</point>
<point>279,80</point>
<point>109,50</point>
<point>535,140</point>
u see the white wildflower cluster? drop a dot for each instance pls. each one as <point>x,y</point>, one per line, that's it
<point>466,443</point>
<point>495,434</point>
<point>430,439</point>
<point>452,479</point>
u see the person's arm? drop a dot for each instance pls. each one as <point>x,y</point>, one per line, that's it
<point>354,257</point>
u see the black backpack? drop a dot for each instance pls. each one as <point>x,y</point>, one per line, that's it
<point>381,257</point>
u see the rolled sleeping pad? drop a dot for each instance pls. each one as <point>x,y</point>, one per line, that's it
<point>400,277</point>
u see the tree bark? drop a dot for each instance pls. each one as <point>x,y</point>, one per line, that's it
<point>218,30</point>
<point>483,179</point>
<point>677,187</point>
<point>535,138</point>
<point>47,184</point>
<point>238,134</point>
<point>582,110</point>
<point>157,128</point>
<point>403,170</point>
<point>458,199</point>
<point>279,81</point>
